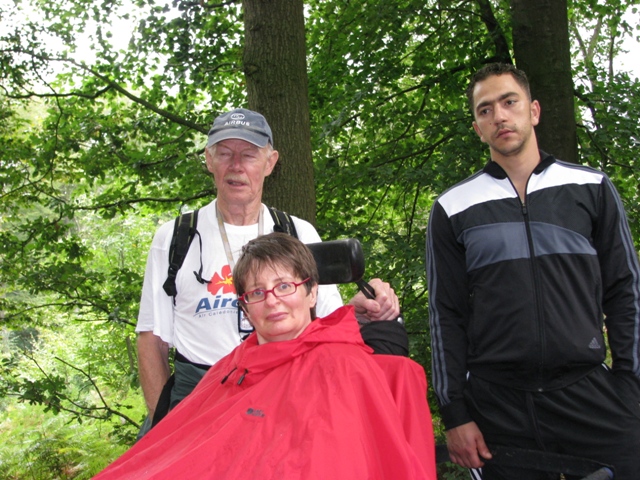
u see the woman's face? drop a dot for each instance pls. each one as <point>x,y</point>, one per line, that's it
<point>280,318</point>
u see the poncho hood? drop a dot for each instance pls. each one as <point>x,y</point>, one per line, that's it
<point>251,361</point>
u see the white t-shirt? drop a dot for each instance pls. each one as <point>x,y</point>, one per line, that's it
<point>204,325</point>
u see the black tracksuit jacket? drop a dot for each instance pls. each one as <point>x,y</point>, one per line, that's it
<point>519,291</point>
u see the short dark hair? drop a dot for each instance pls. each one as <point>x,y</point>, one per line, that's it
<point>497,69</point>
<point>275,250</point>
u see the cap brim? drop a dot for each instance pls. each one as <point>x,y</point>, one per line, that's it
<point>255,138</point>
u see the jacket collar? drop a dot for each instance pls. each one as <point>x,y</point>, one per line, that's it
<point>496,171</point>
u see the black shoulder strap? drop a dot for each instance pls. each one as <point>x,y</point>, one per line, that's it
<point>184,230</point>
<point>283,222</point>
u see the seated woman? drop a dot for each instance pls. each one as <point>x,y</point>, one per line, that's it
<point>300,398</point>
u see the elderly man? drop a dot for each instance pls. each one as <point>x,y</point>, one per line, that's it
<point>203,321</point>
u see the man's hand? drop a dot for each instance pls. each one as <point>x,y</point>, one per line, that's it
<point>385,306</point>
<point>466,446</point>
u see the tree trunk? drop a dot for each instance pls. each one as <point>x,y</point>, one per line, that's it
<point>275,69</point>
<point>541,48</point>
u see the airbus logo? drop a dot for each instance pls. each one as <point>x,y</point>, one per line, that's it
<point>237,116</point>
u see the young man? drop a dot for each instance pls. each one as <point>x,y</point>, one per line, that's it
<point>525,261</point>
<point>204,323</point>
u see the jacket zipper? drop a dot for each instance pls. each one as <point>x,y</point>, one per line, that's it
<point>536,281</point>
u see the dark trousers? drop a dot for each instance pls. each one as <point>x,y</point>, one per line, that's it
<point>597,417</point>
<point>185,378</point>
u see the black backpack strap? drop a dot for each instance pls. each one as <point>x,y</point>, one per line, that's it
<point>164,401</point>
<point>184,230</point>
<point>283,222</point>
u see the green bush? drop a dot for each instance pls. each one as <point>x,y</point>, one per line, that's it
<point>43,446</point>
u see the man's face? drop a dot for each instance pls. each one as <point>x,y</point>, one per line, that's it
<point>239,169</point>
<point>504,115</point>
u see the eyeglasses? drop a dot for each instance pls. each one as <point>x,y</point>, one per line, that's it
<point>283,289</point>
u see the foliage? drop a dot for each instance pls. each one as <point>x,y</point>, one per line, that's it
<point>103,111</point>
<point>43,447</point>
<point>608,131</point>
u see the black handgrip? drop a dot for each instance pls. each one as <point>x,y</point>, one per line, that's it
<point>367,289</point>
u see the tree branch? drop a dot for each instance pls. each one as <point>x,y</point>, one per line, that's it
<point>134,201</point>
<point>65,305</point>
<point>31,94</point>
<point>495,31</point>
<point>115,86</point>
<point>105,406</point>
<point>427,83</point>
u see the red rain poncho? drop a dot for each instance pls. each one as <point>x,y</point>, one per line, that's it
<point>320,406</point>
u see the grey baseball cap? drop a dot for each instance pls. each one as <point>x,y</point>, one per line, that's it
<point>242,124</point>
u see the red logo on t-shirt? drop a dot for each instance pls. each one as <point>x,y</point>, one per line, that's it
<point>222,282</point>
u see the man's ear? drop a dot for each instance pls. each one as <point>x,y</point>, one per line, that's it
<point>272,159</point>
<point>477,129</point>
<point>535,112</point>
<point>208,159</point>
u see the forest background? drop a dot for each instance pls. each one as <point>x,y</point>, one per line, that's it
<point>104,110</point>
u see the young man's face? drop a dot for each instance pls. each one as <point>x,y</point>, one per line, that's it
<point>239,169</point>
<point>504,115</point>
